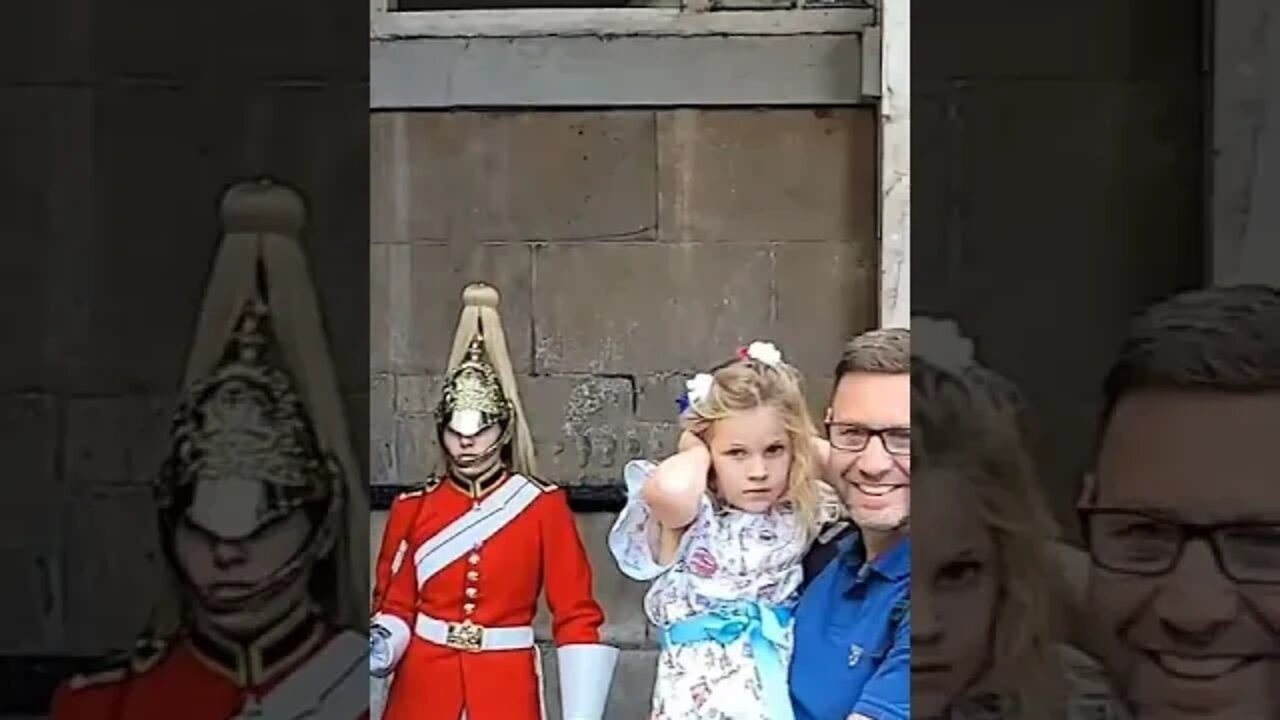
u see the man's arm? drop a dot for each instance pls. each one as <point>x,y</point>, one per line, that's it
<point>887,695</point>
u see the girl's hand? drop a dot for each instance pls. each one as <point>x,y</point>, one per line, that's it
<point>689,441</point>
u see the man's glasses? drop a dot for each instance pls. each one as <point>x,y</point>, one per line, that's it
<point>1136,543</point>
<point>855,438</point>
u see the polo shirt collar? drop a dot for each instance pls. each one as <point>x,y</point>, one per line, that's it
<point>893,565</point>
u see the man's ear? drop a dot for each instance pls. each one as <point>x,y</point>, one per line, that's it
<point>826,417</point>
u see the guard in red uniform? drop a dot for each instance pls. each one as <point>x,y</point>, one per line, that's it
<point>487,539</point>
<point>256,501</point>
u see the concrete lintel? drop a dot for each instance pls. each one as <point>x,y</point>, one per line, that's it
<point>594,71</point>
<point>612,22</point>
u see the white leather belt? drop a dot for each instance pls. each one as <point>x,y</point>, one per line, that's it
<point>469,637</point>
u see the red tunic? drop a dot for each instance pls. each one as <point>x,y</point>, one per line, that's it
<point>540,547</point>
<point>193,679</point>
<point>400,519</point>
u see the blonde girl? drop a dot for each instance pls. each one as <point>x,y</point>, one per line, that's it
<point>720,528</point>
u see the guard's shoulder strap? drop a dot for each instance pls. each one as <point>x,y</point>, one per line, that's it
<point>543,485</point>
<point>426,487</point>
<point>117,667</point>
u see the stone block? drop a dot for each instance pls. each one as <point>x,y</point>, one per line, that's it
<point>290,40</point>
<point>513,176</point>
<point>30,447</point>
<point>620,597</point>
<point>767,175</point>
<point>630,697</point>
<point>977,42</point>
<point>647,308</point>
<point>423,297</point>
<point>417,395</point>
<point>382,430</point>
<point>49,43</point>
<point>656,396</point>
<point>150,38</point>
<point>46,138</point>
<point>826,294</point>
<point>141,281</point>
<point>381,323</point>
<point>358,429</point>
<point>579,425</point>
<point>418,455</point>
<point>116,440</point>
<point>116,574</point>
<point>32,621</point>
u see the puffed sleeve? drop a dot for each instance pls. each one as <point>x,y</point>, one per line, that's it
<point>633,536</point>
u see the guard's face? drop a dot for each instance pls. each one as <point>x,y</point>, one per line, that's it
<point>954,586</point>
<point>751,459</point>
<point>472,455</point>
<point>875,484</point>
<point>1194,633</point>
<point>228,570</point>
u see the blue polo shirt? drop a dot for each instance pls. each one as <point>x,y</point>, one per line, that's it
<point>853,638</point>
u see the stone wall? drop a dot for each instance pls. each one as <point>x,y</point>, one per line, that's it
<point>1059,183</point>
<point>632,248</point>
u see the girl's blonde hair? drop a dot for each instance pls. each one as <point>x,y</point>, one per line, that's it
<point>744,385</point>
<point>974,422</point>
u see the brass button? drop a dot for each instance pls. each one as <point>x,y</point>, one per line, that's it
<point>468,608</point>
<point>472,592</point>
<point>474,559</point>
<point>473,575</point>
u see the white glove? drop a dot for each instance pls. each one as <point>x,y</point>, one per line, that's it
<point>380,654</point>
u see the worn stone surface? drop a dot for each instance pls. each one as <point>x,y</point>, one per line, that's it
<point>656,396</point>
<point>489,175</point>
<point>418,455</point>
<point>101,575</point>
<point>116,440</point>
<point>382,430</point>
<point>826,294</point>
<point>32,621</point>
<point>418,395</point>
<point>767,175</point>
<point>581,426</point>
<point>46,137</point>
<point>639,308</point>
<point>423,296</point>
<point>1046,41</point>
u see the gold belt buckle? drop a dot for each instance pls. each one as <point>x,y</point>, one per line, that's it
<point>465,636</point>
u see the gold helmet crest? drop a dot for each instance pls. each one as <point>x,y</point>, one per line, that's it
<point>480,388</point>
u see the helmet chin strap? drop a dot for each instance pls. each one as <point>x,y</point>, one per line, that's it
<point>317,545</point>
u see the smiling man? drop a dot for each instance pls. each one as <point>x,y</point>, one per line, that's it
<point>1182,514</point>
<point>853,631</point>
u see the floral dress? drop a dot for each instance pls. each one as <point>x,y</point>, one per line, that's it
<point>726,559</point>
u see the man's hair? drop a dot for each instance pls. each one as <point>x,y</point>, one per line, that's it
<point>885,351</point>
<point>1224,339</point>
